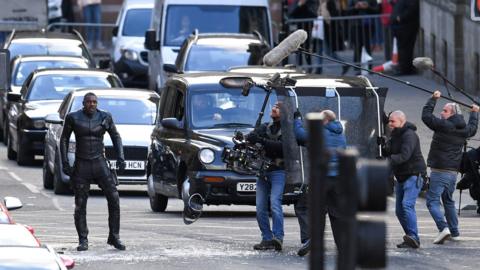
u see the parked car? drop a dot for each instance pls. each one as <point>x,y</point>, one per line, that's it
<point>198,117</point>
<point>43,43</point>
<point>41,94</point>
<point>218,52</point>
<point>134,112</point>
<point>129,57</point>
<point>20,249</point>
<point>22,66</point>
<point>9,203</point>
<point>174,20</point>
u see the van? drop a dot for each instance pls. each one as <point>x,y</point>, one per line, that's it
<point>174,20</point>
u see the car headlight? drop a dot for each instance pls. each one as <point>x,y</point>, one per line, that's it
<point>38,124</point>
<point>206,155</point>
<point>130,55</point>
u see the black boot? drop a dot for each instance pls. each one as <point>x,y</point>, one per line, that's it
<point>82,245</point>
<point>116,243</point>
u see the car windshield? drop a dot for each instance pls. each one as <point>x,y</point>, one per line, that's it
<point>23,69</point>
<point>181,20</point>
<point>38,46</point>
<point>56,86</point>
<point>144,112</point>
<point>209,58</point>
<point>137,21</point>
<point>227,108</point>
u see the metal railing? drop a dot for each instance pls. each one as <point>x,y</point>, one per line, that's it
<point>344,38</point>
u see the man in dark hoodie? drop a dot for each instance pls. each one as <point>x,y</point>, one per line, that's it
<point>444,158</point>
<point>333,139</point>
<point>405,155</point>
<point>270,188</point>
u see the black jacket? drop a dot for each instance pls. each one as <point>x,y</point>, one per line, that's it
<point>89,133</point>
<point>409,13</point>
<point>272,141</point>
<point>449,137</point>
<point>405,153</point>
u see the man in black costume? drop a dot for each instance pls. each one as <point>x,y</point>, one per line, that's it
<point>89,125</point>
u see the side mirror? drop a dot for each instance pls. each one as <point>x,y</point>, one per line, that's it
<point>151,42</point>
<point>4,69</point>
<point>53,118</point>
<point>170,68</point>
<point>104,63</point>
<point>12,203</point>
<point>14,97</point>
<point>115,31</point>
<point>171,123</point>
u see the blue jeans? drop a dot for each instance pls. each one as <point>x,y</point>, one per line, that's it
<point>406,197</point>
<point>270,190</point>
<point>92,14</point>
<point>442,185</point>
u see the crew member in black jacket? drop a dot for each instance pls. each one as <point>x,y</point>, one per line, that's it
<point>89,125</point>
<point>444,158</point>
<point>405,155</point>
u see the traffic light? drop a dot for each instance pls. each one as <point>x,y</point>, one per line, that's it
<point>363,183</point>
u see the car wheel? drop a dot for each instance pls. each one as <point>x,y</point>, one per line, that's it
<point>24,156</point>
<point>158,202</point>
<point>59,187</point>
<point>47,174</point>
<point>12,155</point>
<point>5,132</point>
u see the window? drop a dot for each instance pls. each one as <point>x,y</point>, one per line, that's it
<point>136,22</point>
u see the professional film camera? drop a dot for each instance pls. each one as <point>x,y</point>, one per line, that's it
<point>246,158</point>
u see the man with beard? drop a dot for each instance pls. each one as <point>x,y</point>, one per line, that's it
<point>89,125</point>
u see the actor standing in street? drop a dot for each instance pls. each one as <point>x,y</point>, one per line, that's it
<point>89,125</point>
<point>403,151</point>
<point>270,188</point>
<point>444,158</point>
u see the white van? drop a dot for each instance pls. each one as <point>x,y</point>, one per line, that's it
<point>173,20</point>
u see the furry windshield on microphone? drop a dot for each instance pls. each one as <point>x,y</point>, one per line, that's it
<point>285,48</point>
<point>423,63</point>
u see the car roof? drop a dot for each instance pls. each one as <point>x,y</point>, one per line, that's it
<point>44,34</point>
<point>116,92</point>
<point>264,70</point>
<point>74,71</point>
<point>18,257</point>
<point>28,58</point>
<point>218,2</point>
<point>303,80</point>
<point>224,40</point>
<point>18,234</point>
<point>131,4</point>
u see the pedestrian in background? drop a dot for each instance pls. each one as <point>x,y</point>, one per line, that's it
<point>89,125</point>
<point>305,10</point>
<point>405,21</point>
<point>334,139</point>
<point>444,158</point>
<point>92,13</point>
<point>386,11</point>
<point>405,156</point>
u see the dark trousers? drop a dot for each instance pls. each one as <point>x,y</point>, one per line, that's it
<point>332,208</point>
<point>406,38</point>
<point>361,38</point>
<point>96,171</point>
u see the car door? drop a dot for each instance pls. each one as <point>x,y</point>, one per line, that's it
<point>167,142</point>
<point>52,138</point>
<point>16,108</point>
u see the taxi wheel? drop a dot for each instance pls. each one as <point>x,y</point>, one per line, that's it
<point>59,187</point>
<point>24,156</point>
<point>47,174</point>
<point>158,202</point>
<point>5,132</point>
<point>12,155</point>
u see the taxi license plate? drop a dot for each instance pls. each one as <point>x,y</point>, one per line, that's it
<point>131,164</point>
<point>246,187</point>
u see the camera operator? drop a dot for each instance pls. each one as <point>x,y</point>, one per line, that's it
<point>270,188</point>
<point>333,139</point>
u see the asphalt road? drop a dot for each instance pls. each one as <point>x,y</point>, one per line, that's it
<point>224,236</point>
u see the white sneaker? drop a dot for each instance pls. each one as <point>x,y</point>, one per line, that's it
<point>442,236</point>
<point>455,238</point>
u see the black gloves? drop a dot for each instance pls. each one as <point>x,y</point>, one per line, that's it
<point>121,165</point>
<point>67,169</point>
<point>297,115</point>
<point>253,138</point>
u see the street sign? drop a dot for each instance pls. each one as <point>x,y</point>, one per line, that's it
<point>23,15</point>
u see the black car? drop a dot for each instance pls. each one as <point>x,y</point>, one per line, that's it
<point>43,43</point>
<point>134,112</point>
<point>41,94</point>
<point>198,117</point>
<point>218,52</point>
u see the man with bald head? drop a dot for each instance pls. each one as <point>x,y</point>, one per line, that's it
<point>444,158</point>
<point>406,159</point>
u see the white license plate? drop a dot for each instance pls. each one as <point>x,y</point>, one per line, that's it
<point>131,164</point>
<point>246,187</point>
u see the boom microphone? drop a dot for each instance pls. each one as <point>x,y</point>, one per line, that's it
<point>423,63</point>
<point>285,48</point>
